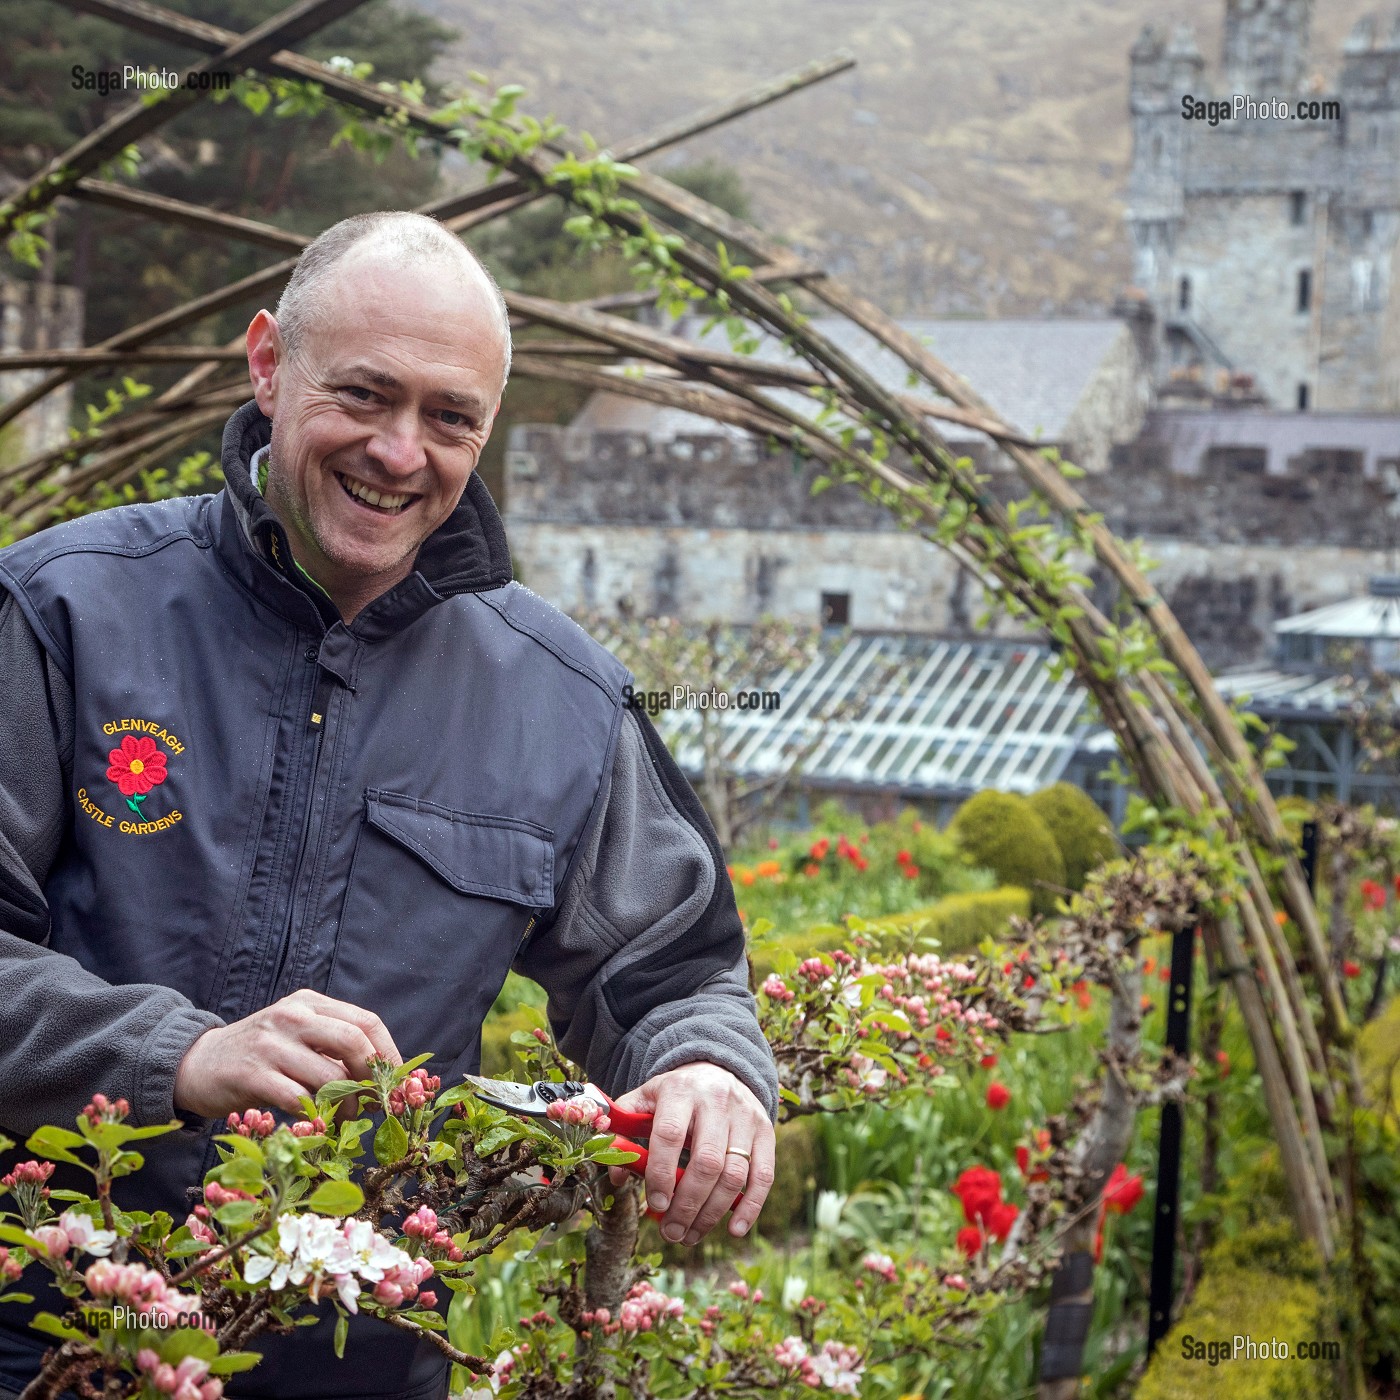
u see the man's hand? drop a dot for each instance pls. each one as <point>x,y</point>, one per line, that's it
<point>706,1108</point>
<point>273,1057</point>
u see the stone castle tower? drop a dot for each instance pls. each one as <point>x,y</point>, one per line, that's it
<point>1267,242</point>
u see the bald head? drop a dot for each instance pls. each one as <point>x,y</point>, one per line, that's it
<point>400,239</point>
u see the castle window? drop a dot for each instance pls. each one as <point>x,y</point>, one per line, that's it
<point>1183,294</point>
<point>1368,223</point>
<point>836,609</point>
<point>1303,397</point>
<point>1304,289</point>
<point>1373,135</point>
<point>1297,207</point>
<point>1157,148</point>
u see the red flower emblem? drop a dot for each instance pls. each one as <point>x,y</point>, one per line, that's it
<point>136,767</point>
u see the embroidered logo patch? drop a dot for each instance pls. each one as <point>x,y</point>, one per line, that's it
<point>136,767</point>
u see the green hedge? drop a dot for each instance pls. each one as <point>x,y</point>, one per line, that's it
<point>1263,1284</point>
<point>1378,1049</point>
<point>498,1059</point>
<point>1081,830</point>
<point>1004,833</point>
<point>961,921</point>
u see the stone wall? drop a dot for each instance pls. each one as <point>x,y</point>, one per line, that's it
<point>709,528</point>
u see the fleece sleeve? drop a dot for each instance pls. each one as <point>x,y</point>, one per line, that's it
<point>64,1032</point>
<point>644,957</point>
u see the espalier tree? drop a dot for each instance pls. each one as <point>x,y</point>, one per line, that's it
<point>393,1196</point>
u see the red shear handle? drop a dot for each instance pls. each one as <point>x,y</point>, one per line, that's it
<point>639,1167</point>
<point>626,1121</point>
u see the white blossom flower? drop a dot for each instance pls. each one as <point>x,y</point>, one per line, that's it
<point>83,1234</point>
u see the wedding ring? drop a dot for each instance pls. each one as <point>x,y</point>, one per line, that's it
<point>738,1152</point>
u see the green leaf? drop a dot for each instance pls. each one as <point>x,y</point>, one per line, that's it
<point>240,1146</point>
<point>110,1135</point>
<point>239,1173</point>
<point>17,1297</point>
<point>56,1327</point>
<point>390,1142</point>
<point>188,1341</point>
<point>336,1198</point>
<point>56,1144</point>
<point>610,1157</point>
<point>12,1234</point>
<point>338,1089</point>
<point>342,1330</point>
<point>182,1243</point>
<point>229,1362</point>
<point>236,1212</point>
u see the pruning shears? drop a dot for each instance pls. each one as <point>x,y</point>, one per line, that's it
<point>533,1101</point>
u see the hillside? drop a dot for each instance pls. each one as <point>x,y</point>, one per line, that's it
<point>972,163</point>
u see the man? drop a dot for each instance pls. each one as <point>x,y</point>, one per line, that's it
<point>299,773</point>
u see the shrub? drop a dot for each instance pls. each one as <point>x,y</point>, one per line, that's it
<point>498,1060</point>
<point>1002,831</point>
<point>1378,1050</point>
<point>962,921</point>
<point>1264,1283</point>
<point>1081,830</point>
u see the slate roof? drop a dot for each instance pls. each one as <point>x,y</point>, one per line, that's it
<point>1034,372</point>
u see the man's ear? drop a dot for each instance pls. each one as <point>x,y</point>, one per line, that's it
<point>265,360</point>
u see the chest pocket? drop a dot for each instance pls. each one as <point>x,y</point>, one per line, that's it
<point>437,904</point>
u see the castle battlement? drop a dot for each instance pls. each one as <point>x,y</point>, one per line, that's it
<point>1265,239</point>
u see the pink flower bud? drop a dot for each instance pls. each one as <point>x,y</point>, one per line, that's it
<point>427,1299</point>
<point>52,1240</point>
<point>390,1294</point>
<point>421,1224</point>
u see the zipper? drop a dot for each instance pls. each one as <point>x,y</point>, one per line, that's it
<point>316,724</point>
<point>525,937</point>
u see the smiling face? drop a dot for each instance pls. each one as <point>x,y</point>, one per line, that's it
<point>379,413</point>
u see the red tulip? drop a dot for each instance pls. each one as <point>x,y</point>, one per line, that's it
<point>998,1096</point>
<point>1122,1192</point>
<point>969,1240</point>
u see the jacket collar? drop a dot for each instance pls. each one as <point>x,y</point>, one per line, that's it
<point>466,554</point>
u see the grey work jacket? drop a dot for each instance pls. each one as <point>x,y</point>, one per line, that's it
<point>229,793</point>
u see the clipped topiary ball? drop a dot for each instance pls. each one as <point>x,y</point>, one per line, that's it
<point>1004,833</point>
<point>1081,830</point>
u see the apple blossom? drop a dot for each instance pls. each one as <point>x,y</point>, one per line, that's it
<point>84,1235</point>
